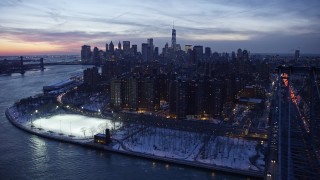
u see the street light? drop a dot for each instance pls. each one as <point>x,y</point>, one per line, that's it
<point>269,175</point>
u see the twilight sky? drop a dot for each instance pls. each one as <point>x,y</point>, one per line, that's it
<point>63,26</point>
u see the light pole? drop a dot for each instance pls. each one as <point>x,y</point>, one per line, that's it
<point>36,112</point>
<point>31,125</point>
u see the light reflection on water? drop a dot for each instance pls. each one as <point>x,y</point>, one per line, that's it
<point>39,153</point>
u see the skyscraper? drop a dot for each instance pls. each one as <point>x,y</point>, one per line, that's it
<point>126,46</point>
<point>198,53</point>
<point>150,49</point>
<point>207,52</point>
<point>245,55</point>
<point>144,51</point>
<point>107,47</point>
<point>119,45</point>
<point>173,39</point>
<point>85,53</point>
<point>111,47</point>
<point>96,57</point>
<point>156,52</point>
<point>135,48</point>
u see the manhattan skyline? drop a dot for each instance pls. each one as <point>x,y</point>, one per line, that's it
<point>61,27</point>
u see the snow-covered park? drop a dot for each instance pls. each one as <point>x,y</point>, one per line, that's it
<point>230,152</point>
<point>76,125</point>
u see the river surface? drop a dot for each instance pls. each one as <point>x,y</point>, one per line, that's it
<point>26,156</point>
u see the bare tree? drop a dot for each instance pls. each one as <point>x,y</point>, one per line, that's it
<point>83,129</point>
<point>101,128</point>
<point>92,130</point>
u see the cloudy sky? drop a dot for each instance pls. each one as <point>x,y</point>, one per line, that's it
<point>63,26</point>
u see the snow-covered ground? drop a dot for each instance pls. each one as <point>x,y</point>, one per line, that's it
<point>164,142</point>
<point>235,153</point>
<point>232,152</point>
<point>75,125</point>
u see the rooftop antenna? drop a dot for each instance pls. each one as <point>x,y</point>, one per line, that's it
<point>173,24</point>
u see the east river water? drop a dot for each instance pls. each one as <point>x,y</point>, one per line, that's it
<point>26,156</point>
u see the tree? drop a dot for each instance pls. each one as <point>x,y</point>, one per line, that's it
<point>92,130</point>
<point>101,128</point>
<point>83,129</point>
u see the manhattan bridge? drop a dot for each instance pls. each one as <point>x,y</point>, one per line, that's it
<point>294,133</point>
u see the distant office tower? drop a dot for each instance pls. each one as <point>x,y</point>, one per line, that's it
<point>111,47</point>
<point>156,52</point>
<point>147,50</point>
<point>233,56</point>
<point>187,47</point>
<point>297,54</point>
<point>207,52</point>
<point>150,49</point>
<point>239,54</point>
<point>173,40</point>
<point>198,53</point>
<point>135,48</point>
<point>85,53</point>
<point>119,45</point>
<point>190,56</point>
<point>96,56</point>
<point>165,50</point>
<point>144,52</point>
<point>126,46</point>
<point>107,47</point>
<point>245,55</point>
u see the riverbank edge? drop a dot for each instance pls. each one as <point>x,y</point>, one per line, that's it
<point>199,165</point>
